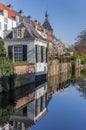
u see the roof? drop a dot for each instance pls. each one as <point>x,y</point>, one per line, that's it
<point>38,25</point>
<point>32,33</point>
<point>47,25</point>
<point>23,18</point>
<point>11,14</point>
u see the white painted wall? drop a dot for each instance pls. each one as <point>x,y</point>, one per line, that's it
<point>41,68</point>
<point>11,24</point>
<point>30,48</point>
<point>41,90</point>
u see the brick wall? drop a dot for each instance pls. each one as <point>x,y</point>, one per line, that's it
<point>23,69</point>
<point>25,74</point>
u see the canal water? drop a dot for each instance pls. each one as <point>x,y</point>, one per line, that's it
<point>56,104</point>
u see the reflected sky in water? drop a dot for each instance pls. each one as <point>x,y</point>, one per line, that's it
<point>54,105</point>
<point>66,111</point>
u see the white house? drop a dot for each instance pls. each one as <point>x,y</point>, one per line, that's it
<point>24,43</point>
<point>7,19</point>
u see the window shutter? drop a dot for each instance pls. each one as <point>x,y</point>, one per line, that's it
<point>36,53</point>
<point>41,53</point>
<point>24,52</point>
<point>10,52</point>
<point>46,55</point>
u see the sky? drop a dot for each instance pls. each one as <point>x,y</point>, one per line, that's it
<point>67,17</point>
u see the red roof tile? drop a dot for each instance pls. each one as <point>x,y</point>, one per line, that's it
<point>37,24</point>
<point>11,14</point>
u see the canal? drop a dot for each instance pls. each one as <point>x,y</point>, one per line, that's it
<point>56,104</point>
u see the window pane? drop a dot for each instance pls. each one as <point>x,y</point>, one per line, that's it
<point>18,53</point>
<point>0,25</point>
<point>5,27</point>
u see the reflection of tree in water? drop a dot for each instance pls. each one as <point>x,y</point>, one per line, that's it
<point>82,89</point>
<point>7,106</point>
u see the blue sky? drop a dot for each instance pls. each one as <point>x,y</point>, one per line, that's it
<point>67,17</point>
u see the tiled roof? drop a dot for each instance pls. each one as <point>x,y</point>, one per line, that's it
<point>11,14</point>
<point>23,18</point>
<point>37,24</point>
<point>47,25</point>
<point>32,33</point>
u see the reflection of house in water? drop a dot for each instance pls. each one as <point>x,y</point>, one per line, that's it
<point>33,111</point>
<point>32,101</point>
<point>58,83</point>
<point>58,86</point>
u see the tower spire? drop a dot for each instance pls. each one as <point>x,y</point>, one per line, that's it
<point>46,14</point>
<point>46,23</point>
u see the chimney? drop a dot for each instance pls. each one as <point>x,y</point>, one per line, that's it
<point>29,17</point>
<point>10,6</point>
<point>21,12</point>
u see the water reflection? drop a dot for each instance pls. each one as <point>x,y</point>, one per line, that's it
<point>24,107</point>
<point>7,106</point>
<point>81,87</point>
<point>31,106</point>
<point>31,111</point>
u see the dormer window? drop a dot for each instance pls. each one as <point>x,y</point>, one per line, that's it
<point>17,20</point>
<point>5,27</point>
<point>19,33</point>
<point>5,20</point>
<point>5,13</point>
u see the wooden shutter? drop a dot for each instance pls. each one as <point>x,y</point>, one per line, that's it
<point>24,52</point>
<point>46,55</point>
<point>36,53</point>
<point>41,53</point>
<point>10,52</point>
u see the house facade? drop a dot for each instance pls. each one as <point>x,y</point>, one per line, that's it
<point>7,19</point>
<point>24,43</point>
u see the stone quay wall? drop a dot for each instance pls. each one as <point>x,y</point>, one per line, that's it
<point>25,74</point>
<point>56,68</point>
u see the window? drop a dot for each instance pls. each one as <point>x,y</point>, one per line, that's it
<point>46,54</point>
<point>17,20</point>
<point>37,107</point>
<point>18,53</point>
<point>10,52</point>
<point>38,53</point>
<point>43,54</point>
<point>5,27</point>
<point>41,104</point>
<point>19,33</point>
<point>5,20</point>
<point>0,25</point>
<point>5,13</point>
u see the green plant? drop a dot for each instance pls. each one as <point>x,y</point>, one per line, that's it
<point>20,62</point>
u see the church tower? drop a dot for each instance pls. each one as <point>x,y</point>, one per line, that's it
<point>47,26</point>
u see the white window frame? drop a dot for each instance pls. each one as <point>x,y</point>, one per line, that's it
<point>18,53</point>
